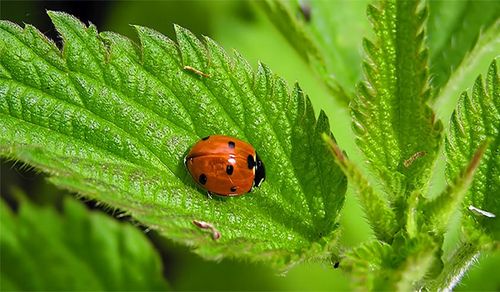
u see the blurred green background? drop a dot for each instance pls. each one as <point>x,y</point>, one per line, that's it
<point>241,26</point>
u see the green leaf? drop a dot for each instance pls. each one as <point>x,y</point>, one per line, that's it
<point>409,274</point>
<point>43,249</point>
<point>377,266</point>
<point>462,78</point>
<point>326,62</point>
<point>293,29</point>
<point>113,120</point>
<point>364,262</point>
<point>454,28</point>
<point>337,27</point>
<point>477,119</point>
<point>378,211</point>
<point>395,128</point>
<point>440,210</point>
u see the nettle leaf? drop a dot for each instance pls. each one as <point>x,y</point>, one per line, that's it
<point>454,28</point>
<point>293,29</point>
<point>476,121</point>
<point>375,265</point>
<point>365,261</point>
<point>326,34</point>
<point>395,128</point>
<point>440,210</point>
<point>337,26</point>
<point>113,120</point>
<point>85,251</point>
<point>462,78</point>
<point>380,215</point>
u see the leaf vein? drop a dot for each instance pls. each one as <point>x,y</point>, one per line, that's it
<point>166,87</point>
<point>21,85</point>
<point>209,89</point>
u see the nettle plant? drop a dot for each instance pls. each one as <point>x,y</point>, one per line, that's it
<point>112,120</point>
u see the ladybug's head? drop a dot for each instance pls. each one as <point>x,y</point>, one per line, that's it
<point>260,172</point>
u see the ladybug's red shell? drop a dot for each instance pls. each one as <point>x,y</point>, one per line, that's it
<point>225,165</point>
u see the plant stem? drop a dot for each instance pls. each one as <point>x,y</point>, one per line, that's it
<point>455,267</point>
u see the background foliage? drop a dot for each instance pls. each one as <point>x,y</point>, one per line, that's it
<point>238,25</point>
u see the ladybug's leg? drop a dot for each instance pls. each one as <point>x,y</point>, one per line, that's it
<point>209,195</point>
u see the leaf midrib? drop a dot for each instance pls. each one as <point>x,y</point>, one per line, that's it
<point>90,113</point>
<point>122,159</point>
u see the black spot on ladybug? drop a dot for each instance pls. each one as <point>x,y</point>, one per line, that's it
<point>231,144</point>
<point>250,162</point>
<point>229,169</point>
<point>233,189</point>
<point>336,265</point>
<point>203,179</point>
<point>205,138</point>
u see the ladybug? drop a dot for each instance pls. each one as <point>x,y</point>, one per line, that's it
<point>225,166</point>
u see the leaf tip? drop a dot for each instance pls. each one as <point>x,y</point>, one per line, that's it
<point>182,31</point>
<point>59,15</point>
